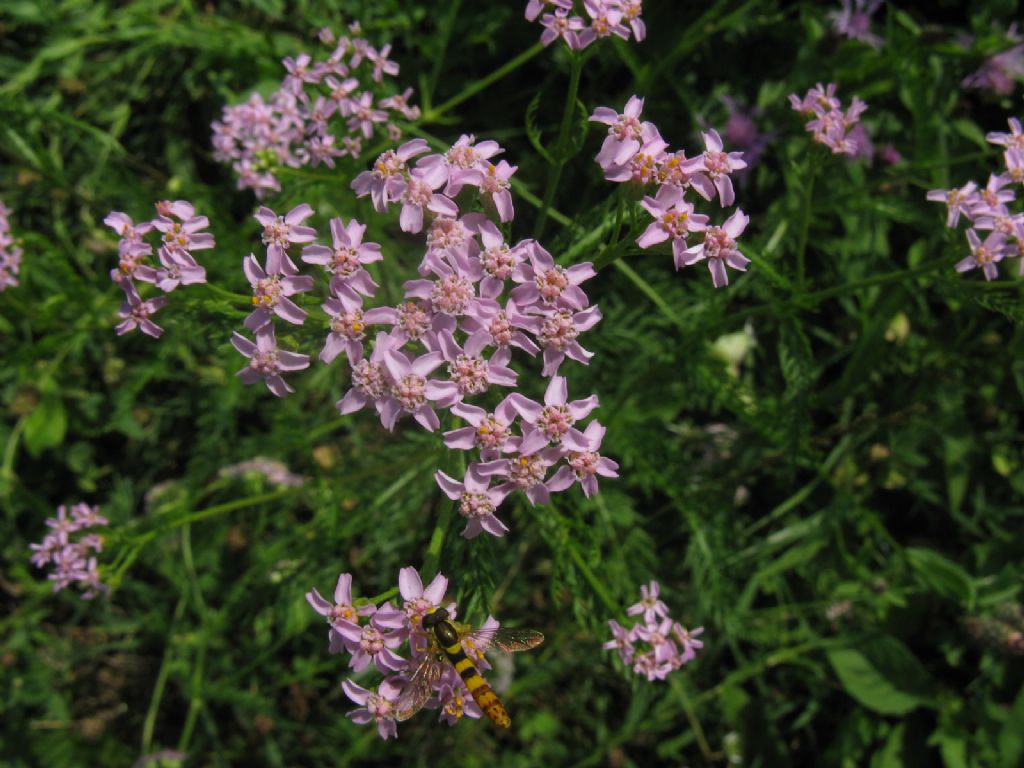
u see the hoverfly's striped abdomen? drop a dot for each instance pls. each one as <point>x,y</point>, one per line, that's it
<point>485,698</point>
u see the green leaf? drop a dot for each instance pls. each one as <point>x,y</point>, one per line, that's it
<point>883,675</point>
<point>971,132</point>
<point>891,753</point>
<point>44,427</point>
<point>942,575</point>
<point>1011,736</point>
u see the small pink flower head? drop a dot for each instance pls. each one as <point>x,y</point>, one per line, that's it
<point>136,313</point>
<point>853,21</point>
<point>534,7</point>
<point>184,237</point>
<point>345,262</point>
<point>718,165</point>
<point>552,421</point>
<point>958,201</point>
<point>418,196</point>
<point>270,294</point>
<point>411,391</point>
<point>719,248</point>
<point>477,501</point>
<point>455,700</point>
<point>1012,140</point>
<point>622,641</point>
<point>490,432</point>
<point>419,601</point>
<point>674,220</point>
<point>342,608</point>
<point>547,285</point>
<point>557,332</point>
<point>375,641</point>
<point>279,232</point>
<point>386,181</point>
<point>650,605</point>
<point>376,706</point>
<point>984,254</point>
<point>370,381</point>
<point>266,361</point>
<point>605,21</point>
<point>584,463</point>
<point>561,25</point>
<point>625,132</point>
<point>688,640</point>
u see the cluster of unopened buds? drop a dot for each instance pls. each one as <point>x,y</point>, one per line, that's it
<point>323,110</point>
<point>10,254</point>
<point>840,131</point>
<point>657,645</point>
<point>71,547</point>
<point>987,208</point>
<point>604,18</point>
<point>634,152</point>
<point>478,293</point>
<point>180,234</point>
<point>373,635</point>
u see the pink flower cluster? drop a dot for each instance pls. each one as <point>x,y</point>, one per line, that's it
<point>853,21</point>
<point>829,125</point>
<point>987,208</point>
<point>73,559</point>
<point>478,293</point>
<point>373,636</point>
<point>668,644</point>
<point>272,284</point>
<point>324,110</point>
<point>10,254</point>
<point>635,152</point>
<point>180,235</point>
<point>604,18</point>
<point>1000,72</point>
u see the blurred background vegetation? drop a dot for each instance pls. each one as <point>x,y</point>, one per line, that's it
<point>826,476</point>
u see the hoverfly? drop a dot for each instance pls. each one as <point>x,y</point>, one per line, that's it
<point>446,638</point>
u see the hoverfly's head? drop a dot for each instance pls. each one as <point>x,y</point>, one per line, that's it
<point>435,617</point>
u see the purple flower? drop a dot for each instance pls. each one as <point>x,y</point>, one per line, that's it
<point>373,642</point>
<point>1012,140</point>
<point>958,201</point>
<point>557,333</point>
<point>418,195</point>
<point>626,133</point>
<point>376,707</point>
<point>650,605</point>
<point>490,432</point>
<point>370,380</point>
<point>386,182</point>
<point>341,609</point>
<point>984,254</point>
<point>455,700</point>
<point>281,231</point>
<point>561,25</point>
<point>718,165</point>
<point>853,21</point>
<point>551,422</point>
<point>178,268</point>
<point>622,641</point>
<point>266,361</point>
<point>546,284</point>
<point>719,248</point>
<point>998,73</point>
<point>346,261</point>
<point>419,601</point>
<point>674,220</point>
<point>73,560</point>
<point>411,391</point>
<point>270,294</point>
<point>477,501</point>
<point>184,237</point>
<point>469,372</point>
<point>534,7</point>
<point>528,473</point>
<point>586,464</point>
<point>136,314</point>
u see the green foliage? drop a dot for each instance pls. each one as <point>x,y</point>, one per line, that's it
<point>820,463</point>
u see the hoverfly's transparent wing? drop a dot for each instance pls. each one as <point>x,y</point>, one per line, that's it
<point>505,639</point>
<point>418,690</point>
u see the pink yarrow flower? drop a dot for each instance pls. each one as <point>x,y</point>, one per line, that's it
<point>270,294</point>
<point>674,220</point>
<point>136,313</point>
<point>719,249</point>
<point>477,501</point>
<point>583,466</point>
<point>279,232</point>
<point>345,262</point>
<point>266,361</point>
<point>376,706</point>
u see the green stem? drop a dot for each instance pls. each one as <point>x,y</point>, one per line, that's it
<point>161,681</point>
<point>507,68</point>
<point>563,136</point>
<point>648,290</point>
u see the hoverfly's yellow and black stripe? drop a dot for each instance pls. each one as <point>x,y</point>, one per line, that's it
<point>485,698</point>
